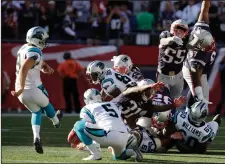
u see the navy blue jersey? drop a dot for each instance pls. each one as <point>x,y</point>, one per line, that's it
<point>171,57</point>
<point>200,59</point>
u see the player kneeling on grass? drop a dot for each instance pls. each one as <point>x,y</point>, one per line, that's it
<point>28,86</point>
<point>101,122</point>
<point>197,134</point>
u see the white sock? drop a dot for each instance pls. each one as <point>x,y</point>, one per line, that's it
<point>36,131</point>
<point>55,120</point>
<point>93,149</point>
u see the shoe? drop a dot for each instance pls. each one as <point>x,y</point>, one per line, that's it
<point>92,157</point>
<point>59,115</point>
<point>38,146</point>
<point>138,155</point>
<point>217,119</point>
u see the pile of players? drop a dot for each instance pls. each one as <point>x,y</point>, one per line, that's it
<point>132,114</point>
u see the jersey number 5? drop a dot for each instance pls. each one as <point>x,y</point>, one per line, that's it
<point>171,53</point>
<point>108,108</point>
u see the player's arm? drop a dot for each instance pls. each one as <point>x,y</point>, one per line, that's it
<point>166,39</point>
<point>45,68</point>
<point>176,103</point>
<point>145,88</point>
<point>204,13</point>
<point>28,64</point>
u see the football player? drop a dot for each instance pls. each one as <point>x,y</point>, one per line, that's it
<point>172,53</point>
<point>101,122</point>
<point>123,64</point>
<point>198,134</point>
<point>112,82</point>
<point>29,88</point>
<point>195,133</point>
<point>200,57</point>
<point>143,101</point>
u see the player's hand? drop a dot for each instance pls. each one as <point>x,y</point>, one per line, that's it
<point>48,70</point>
<point>179,101</point>
<point>177,40</point>
<point>157,86</point>
<point>177,136</point>
<point>17,93</point>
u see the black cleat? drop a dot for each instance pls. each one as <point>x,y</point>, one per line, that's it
<point>218,119</point>
<point>59,115</point>
<point>38,146</point>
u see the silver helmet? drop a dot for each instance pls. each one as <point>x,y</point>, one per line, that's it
<point>179,28</point>
<point>95,71</point>
<point>198,112</point>
<point>92,95</point>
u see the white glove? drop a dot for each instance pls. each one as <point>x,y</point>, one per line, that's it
<point>177,40</point>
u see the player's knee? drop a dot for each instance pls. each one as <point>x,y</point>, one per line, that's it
<point>79,125</point>
<point>36,118</point>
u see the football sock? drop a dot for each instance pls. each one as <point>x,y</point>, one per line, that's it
<point>36,131</point>
<point>123,156</point>
<point>36,122</point>
<point>79,129</point>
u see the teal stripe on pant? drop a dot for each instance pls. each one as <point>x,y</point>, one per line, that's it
<point>96,132</point>
<point>79,129</point>
<point>36,118</point>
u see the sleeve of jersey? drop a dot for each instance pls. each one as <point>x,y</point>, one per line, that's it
<point>86,115</point>
<point>108,85</point>
<point>34,53</point>
<point>173,116</point>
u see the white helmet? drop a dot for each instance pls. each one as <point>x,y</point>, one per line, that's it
<point>179,28</point>
<point>201,39</point>
<point>146,82</point>
<point>37,36</point>
<point>95,71</point>
<point>198,112</point>
<point>122,64</point>
<point>92,96</point>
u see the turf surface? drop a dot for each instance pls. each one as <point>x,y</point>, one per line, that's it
<point>17,145</point>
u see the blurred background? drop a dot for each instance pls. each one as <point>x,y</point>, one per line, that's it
<point>98,30</point>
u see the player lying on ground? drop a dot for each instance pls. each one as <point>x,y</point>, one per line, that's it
<point>29,88</point>
<point>101,122</point>
<point>172,53</point>
<point>200,57</point>
<point>138,102</point>
<point>112,82</point>
<point>197,134</point>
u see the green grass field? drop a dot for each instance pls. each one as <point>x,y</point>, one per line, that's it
<point>17,145</point>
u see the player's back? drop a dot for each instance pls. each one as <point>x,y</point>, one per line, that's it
<point>106,115</point>
<point>115,79</point>
<point>171,57</point>
<point>33,78</point>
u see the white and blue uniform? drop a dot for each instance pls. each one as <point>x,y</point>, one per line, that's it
<point>102,123</point>
<point>193,134</point>
<point>113,80</point>
<point>34,96</point>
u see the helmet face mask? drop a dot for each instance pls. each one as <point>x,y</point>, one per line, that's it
<point>198,112</point>
<point>95,71</point>
<point>122,69</point>
<point>179,28</point>
<point>180,31</point>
